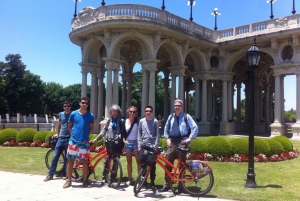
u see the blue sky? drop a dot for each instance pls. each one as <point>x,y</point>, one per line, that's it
<point>38,30</point>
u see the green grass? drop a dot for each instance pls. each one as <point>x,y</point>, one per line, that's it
<point>275,181</point>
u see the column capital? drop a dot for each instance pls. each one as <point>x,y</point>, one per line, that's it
<point>178,70</point>
<point>149,65</point>
<point>112,64</point>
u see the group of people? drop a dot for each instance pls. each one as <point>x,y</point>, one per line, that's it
<point>73,131</point>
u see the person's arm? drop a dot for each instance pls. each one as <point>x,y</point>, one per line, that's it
<point>91,128</point>
<point>194,129</point>
<point>167,131</point>
<point>70,125</point>
<point>139,137</point>
<point>57,129</point>
<point>156,124</point>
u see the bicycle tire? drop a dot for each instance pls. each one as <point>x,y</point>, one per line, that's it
<point>141,179</point>
<point>201,184</point>
<point>114,174</point>
<point>78,170</point>
<point>60,163</point>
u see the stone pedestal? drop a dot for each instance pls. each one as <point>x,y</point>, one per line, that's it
<point>203,128</point>
<point>278,129</point>
<point>227,128</point>
<point>102,124</point>
<point>296,129</point>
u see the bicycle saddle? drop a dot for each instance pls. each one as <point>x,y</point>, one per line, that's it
<point>184,149</point>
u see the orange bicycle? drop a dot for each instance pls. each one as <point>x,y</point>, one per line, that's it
<point>113,171</point>
<point>195,177</point>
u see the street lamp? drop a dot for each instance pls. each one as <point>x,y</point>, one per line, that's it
<point>163,5</point>
<point>253,57</point>
<point>191,3</point>
<point>271,1</point>
<point>215,13</point>
<point>75,13</point>
<point>103,3</point>
<point>293,11</point>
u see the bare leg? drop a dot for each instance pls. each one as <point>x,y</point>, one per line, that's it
<point>137,162</point>
<point>70,168</point>
<point>129,165</point>
<point>85,170</point>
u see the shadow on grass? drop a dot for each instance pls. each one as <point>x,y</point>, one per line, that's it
<point>270,186</point>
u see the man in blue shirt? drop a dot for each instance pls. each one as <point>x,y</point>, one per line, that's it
<point>180,129</point>
<point>80,125</point>
<point>63,136</point>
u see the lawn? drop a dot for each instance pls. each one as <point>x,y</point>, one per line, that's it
<point>275,180</point>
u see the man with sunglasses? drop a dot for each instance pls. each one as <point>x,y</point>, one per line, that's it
<point>80,125</point>
<point>63,136</point>
<point>148,133</point>
<point>180,129</point>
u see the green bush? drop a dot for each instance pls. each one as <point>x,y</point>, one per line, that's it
<point>218,146</point>
<point>285,142</point>
<point>26,135</point>
<point>49,135</point>
<point>8,134</point>
<point>261,147</point>
<point>40,136</point>
<point>97,142</point>
<point>276,147</point>
<point>239,146</point>
<point>198,146</point>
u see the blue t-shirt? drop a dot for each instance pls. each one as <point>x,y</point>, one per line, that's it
<point>81,126</point>
<point>63,118</point>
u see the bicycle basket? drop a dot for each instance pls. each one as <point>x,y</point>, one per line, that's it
<point>147,157</point>
<point>52,142</point>
<point>113,146</point>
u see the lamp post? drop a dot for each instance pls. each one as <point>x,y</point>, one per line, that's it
<point>75,13</point>
<point>163,5</point>
<point>293,11</point>
<point>271,1</point>
<point>253,57</point>
<point>191,3</point>
<point>215,13</point>
<point>103,3</point>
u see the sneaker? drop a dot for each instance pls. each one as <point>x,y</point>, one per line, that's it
<point>67,184</point>
<point>86,184</point>
<point>152,185</point>
<point>48,178</point>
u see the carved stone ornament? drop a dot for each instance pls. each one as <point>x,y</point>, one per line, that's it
<point>282,22</point>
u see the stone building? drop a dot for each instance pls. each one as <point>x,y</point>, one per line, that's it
<point>211,63</point>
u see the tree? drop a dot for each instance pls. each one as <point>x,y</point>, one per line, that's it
<point>72,93</point>
<point>12,73</point>
<point>53,98</point>
<point>290,116</point>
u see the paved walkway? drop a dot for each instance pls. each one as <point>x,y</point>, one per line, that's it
<point>27,187</point>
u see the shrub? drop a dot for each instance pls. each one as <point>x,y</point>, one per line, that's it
<point>97,142</point>
<point>276,147</point>
<point>261,147</point>
<point>40,136</point>
<point>26,135</point>
<point>285,142</point>
<point>7,135</point>
<point>198,146</point>
<point>48,135</point>
<point>218,146</point>
<point>239,146</point>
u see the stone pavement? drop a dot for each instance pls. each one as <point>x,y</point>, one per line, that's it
<point>28,187</point>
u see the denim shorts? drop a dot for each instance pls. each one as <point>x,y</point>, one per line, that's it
<point>131,146</point>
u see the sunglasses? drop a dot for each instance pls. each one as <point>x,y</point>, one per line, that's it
<point>84,103</point>
<point>67,106</point>
<point>177,105</point>
<point>148,111</point>
<point>133,112</point>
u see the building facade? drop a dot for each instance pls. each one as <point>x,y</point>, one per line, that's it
<point>192,58</point>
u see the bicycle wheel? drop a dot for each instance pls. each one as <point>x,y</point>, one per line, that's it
<point>198,183</point>
<point>141,179</point>
<point>60,163</point>
<point>114,172</point>
<point>78,171</point>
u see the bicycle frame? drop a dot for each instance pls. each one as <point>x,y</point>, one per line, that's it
<point>100,155</point>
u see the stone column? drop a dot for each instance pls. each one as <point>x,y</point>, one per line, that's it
<point>144,90</point>
<point>282,101</point>
<point>94,95</point>
<point>180,86</point>
<point>197,98</point>
<point>84,73</point>
<point>257,102</point>
<point>129,89</point>
<point>152,91</point>
<point>173,92</point>
<point>224,102</point>
<point>238,101</point>
<point>100,76</point>
<point>298,98</point>
<point>267,104</point>
<point>204,101</point>
<point>246,91</point>
<point>230,98</point>
<point>166,98</point>
<point>116,87</point>
<point>209,101</point>
<point>124,96</point>
<point>277,112</point>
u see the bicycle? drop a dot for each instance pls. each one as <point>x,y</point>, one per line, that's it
<point>49,155</point>
<point>196,177</point>
<point>113,171</point>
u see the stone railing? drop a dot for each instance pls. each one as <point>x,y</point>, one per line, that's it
<point>274,25</point>
<point>90,15</point>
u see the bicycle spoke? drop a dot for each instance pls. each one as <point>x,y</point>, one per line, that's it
<point>114,172</point>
